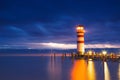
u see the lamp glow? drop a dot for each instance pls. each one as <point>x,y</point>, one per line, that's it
<point>90,52</point>
<point>104,52</point>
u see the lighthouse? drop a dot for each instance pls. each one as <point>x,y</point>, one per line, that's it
<point>80,39</point>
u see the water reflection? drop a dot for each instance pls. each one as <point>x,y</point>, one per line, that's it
<point>83,71</point>
<point>91,71</point>
<point>79,70</point>
<point>119,72</point>
<point>54,69</point>
<point>106,72</point>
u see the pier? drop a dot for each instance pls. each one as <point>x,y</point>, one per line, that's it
<point>97,56</point>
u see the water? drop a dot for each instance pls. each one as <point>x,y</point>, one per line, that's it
<point>56,68</point>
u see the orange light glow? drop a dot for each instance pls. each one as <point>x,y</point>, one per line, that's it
<point>79,70</point>
<point>80,28</point>
<point>82,71</point>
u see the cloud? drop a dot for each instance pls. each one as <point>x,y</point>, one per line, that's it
<point>47,21</point>
<point>58,45</point>
<point>102,46</point>
<point>51,45</point>
<point>12,31</point>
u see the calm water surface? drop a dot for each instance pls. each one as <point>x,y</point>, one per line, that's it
<point>56,68</point>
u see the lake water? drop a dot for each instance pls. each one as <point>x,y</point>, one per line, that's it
<point>56,68</point>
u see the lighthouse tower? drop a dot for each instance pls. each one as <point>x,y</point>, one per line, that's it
<point>80,39</point>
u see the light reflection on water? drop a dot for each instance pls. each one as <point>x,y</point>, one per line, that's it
<point>54,69</point>
<point>79,70</point>
<point>91,71</point>
<point>83,70</point>
<point>119,72</point>
<point>106,72</point>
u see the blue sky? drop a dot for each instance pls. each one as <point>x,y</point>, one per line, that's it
<point>26,22</point>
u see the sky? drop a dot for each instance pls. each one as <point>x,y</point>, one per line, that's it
<point>52,23</point>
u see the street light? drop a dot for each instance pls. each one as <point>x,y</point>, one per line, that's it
<point>104,52</point>
<point>90,52</point>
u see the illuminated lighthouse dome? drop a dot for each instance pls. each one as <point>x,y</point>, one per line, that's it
<point>80,28</point>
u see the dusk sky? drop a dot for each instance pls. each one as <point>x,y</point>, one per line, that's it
<point>52,23</point>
